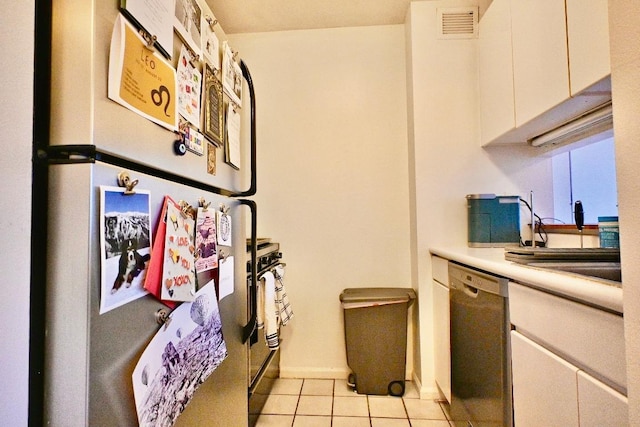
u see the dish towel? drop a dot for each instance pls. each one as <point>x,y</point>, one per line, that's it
<point>267,315</point>
<point>283,307</point>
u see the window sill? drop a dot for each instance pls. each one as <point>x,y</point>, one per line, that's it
<point>588,229</point>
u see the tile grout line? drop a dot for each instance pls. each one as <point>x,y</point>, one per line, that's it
<point>295,413</point>
<point>404,405</point>
<point>333,402</point>
<point>333,398</point>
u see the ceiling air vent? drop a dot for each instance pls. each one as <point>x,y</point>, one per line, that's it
<point>458,23</point>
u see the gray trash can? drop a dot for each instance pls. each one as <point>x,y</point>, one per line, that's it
<point>375,326</point>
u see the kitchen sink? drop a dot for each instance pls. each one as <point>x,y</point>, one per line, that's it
<point>602,270</point>
<point>602,263</point>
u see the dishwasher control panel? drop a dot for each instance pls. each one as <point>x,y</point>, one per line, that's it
<point>477,279</point>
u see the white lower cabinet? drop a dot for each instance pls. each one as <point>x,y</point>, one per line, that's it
<point>549,391</point>
<point>441,338</point>
<point>544,386</point>
<point>441,326</point>
<point>600,405</point>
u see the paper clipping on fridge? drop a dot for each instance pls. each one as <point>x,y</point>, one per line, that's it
<point>179,358</point>
<point>206,240</point>
<point>178,269</point>
<point>187,22</point>
<point>231,75</point>
<point>156,17</point>
<point>232,141</point>
<point>153,279</point>
<point>125,245</point>
<point>141,79</point>
<point>225,227</point>
<point>189,80</point>
<point>210,43</point>
<point>226,278</point>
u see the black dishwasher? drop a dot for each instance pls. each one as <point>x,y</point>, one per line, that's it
<point>480,351</point>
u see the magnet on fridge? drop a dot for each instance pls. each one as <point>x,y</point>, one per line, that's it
<point>203,204</point>
<point>125,181</point>
<point>187,210</point>
<point>179,147</point>
<point>162,318</point>
<point>212,21</point>
<point>149,39</point>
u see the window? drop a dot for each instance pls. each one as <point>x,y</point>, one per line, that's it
<point>588,174</point>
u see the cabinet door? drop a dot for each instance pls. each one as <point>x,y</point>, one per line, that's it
<point>599,404</point>
<point>588,35</point>
<point>441,338</point>
<point>540,61</point>
<point>544,386</point>
<point>495,68</point>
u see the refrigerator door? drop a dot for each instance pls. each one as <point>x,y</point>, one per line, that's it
<point>90,357</point>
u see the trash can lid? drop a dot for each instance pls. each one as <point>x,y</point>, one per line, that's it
<point>377,295</point>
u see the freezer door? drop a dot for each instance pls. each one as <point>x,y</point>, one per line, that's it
<point>82,113</point>
<point>90,357</point>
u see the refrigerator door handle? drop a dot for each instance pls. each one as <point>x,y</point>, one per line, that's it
<point>248,329</point>
<point>252,98</point>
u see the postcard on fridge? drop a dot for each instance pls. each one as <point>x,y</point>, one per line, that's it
<point>206,240</point>
<point>125,244</point>
<point>231,75</point>
<point>189,88</point>
<point>178,270</point>
<point>187,22</point>
<point>179,358</point>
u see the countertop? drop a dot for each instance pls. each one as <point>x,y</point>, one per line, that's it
<point>596,292</point>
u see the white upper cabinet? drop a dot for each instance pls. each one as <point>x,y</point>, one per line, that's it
<point>540,64</point>
<point>588,37</point>
<point>495,63</point>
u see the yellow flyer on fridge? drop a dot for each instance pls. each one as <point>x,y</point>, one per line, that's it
<point>140,78</point>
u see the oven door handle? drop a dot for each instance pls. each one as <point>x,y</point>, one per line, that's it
<point>248,329</point>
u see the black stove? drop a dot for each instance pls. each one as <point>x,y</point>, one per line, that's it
<point>264,363</point>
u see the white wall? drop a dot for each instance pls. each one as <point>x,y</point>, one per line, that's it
<point>449,162</point>
<point>332,174</point>
<point>624,24</point>
<point>16,91</point>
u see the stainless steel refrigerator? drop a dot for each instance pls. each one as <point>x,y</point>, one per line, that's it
<point>82,361</point>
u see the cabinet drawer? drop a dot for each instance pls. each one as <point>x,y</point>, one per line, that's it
<point>593,339</point>
<point>440,270</point>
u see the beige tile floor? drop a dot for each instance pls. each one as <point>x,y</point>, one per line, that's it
<point>331,403</point>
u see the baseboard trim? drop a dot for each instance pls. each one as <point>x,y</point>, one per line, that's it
<point>319,373</point>
<point>426,393</point>
<point>328,373</point>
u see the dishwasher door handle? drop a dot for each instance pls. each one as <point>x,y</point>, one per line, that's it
<point>470,291</point>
